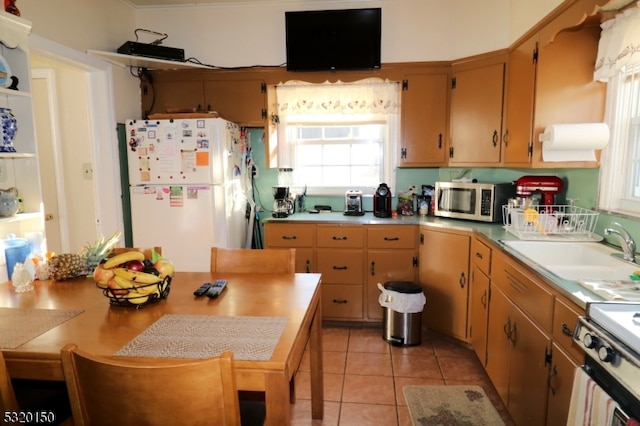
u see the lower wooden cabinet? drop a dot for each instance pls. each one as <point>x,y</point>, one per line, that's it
<point>384,266</point>
<point>479,313</point>
<point>561,377</point>
<point>444,277</point>
<point>341,302</point>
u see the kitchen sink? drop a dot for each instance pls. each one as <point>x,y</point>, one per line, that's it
<point>575,261</point>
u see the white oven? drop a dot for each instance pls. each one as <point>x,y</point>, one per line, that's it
<point>606,389</point>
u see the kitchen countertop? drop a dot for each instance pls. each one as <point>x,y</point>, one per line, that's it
<point>494,232</point>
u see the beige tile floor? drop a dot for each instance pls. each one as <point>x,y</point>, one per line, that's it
<point>364,376</point>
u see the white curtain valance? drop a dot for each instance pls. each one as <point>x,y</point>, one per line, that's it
<point>619,44</point>
<point>369,96</point>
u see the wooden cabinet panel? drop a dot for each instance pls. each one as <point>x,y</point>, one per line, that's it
<point>384,266</point>
<point>424,117</point>
<point>535,300</point>
<point>305,260</point>
<point>518,134</point>
<point>529,369</point>
<point>444,276</point>
<point>341,302</point>
<point>392,237</point>
<point>340,266</point>
<point>240,100</point>
<point>340,236</point>
<point>479,313</point>
<point>561,377</point>
<point>565,319</point>
<point>481,256</point>
<point>498,343</point>
<point>476,114</point>
<point>289,235</point>
<point>165,95</point>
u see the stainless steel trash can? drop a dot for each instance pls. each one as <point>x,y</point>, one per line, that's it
<point>402,328</point>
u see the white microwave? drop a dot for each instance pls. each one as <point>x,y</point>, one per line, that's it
<point>472,200</point>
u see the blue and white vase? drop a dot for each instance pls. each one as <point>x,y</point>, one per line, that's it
<point>9,129</point>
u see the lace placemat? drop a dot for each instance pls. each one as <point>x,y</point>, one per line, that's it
<point>203,336</point>
<point>18,325</point>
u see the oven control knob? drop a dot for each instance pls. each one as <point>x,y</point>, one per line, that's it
<point>605,354</point>
<point>590,341</point>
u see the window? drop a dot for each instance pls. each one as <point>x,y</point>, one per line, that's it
<point>339,136</point>
<point>620,166</point>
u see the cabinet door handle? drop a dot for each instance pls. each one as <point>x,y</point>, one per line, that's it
<point>340,268</point>
<point>289,237</point>
<point>505,138</point>
<point>373,269</point>
<point>495,138</point>
<point>339,238</point>
<point>462,280</point>
<point>483,299</point>
<point>507,327</point>
<point>440,141</point>
<point>566,330</point>
<point>479,255</point>
<point>513,334</point>
<point>340,301</point>
<point>308,266</point>
<point>391,238</point>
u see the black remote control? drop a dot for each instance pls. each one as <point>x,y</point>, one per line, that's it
<point>216,288</point>
<point>202,289</point>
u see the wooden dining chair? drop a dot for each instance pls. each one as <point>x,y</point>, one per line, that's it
<point>152,391</point>
<point>8,401</point>
<point>267,261</point>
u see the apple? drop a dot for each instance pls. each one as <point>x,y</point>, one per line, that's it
<point>164,267</point>
<point>102,276</point>
<point>115,289</point>
<point>135,265</point>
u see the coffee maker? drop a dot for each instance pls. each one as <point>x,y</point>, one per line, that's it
<point>547,186</point>
<point>282,204</point>
<point>382,201</point>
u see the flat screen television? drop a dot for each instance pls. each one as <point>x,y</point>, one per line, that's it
<point>320,40</point>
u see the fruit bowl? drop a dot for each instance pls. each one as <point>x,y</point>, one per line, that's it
<point>139,295</point>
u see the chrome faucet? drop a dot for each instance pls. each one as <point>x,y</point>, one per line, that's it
<point>626,241</point>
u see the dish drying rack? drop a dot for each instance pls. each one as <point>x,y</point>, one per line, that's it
<point>553,222</point>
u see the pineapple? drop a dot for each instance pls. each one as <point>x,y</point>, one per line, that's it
<point>94,253</point>
<point>66,265</point>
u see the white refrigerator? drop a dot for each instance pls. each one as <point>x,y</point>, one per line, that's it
<point>187,186</point>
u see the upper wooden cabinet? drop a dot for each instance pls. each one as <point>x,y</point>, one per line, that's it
<point>424,117</point>
<point>477,88</point>
<point>550,81</point>
<point>237,96</point>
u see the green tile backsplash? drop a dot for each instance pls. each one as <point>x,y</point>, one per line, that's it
<point>581,185</point>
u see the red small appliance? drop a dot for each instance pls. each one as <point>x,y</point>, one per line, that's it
<point>546,186</point>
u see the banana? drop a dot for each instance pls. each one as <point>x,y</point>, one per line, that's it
<point>136,276</point>
<point>137,300</point>
<point>121,258</point>
<point>123,282</point>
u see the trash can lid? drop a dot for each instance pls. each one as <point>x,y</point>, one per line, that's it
<point>407,287</point>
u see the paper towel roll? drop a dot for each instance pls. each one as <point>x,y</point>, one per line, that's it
<point>573,142</point>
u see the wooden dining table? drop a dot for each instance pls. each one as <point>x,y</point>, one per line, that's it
<point>103,329</point>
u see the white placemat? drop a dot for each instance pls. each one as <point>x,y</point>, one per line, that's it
<point>203,336</point>
<point>19,325</point>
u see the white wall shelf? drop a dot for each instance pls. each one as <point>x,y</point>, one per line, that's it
<point>143,62</point>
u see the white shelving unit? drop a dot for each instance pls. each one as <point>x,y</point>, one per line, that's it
<point>20,169</point>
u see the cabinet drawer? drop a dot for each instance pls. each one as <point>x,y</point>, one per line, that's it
<point>340,266</point>
<point>481,255</point>
<point>340,236</point>
<point>536,301</point>
<point>397,236</point>
<point>288,235</point>
<point>565,320</point>
<point>340,301</point>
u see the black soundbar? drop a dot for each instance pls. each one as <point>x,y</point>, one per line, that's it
<point>151,51</point>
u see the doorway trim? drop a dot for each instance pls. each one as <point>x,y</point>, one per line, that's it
<point>104,137</point>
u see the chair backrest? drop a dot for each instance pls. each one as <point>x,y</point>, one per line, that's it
<point>267,261</point>
<point>146,250</point>
<point>150,391</point>
<point>8,400</point>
